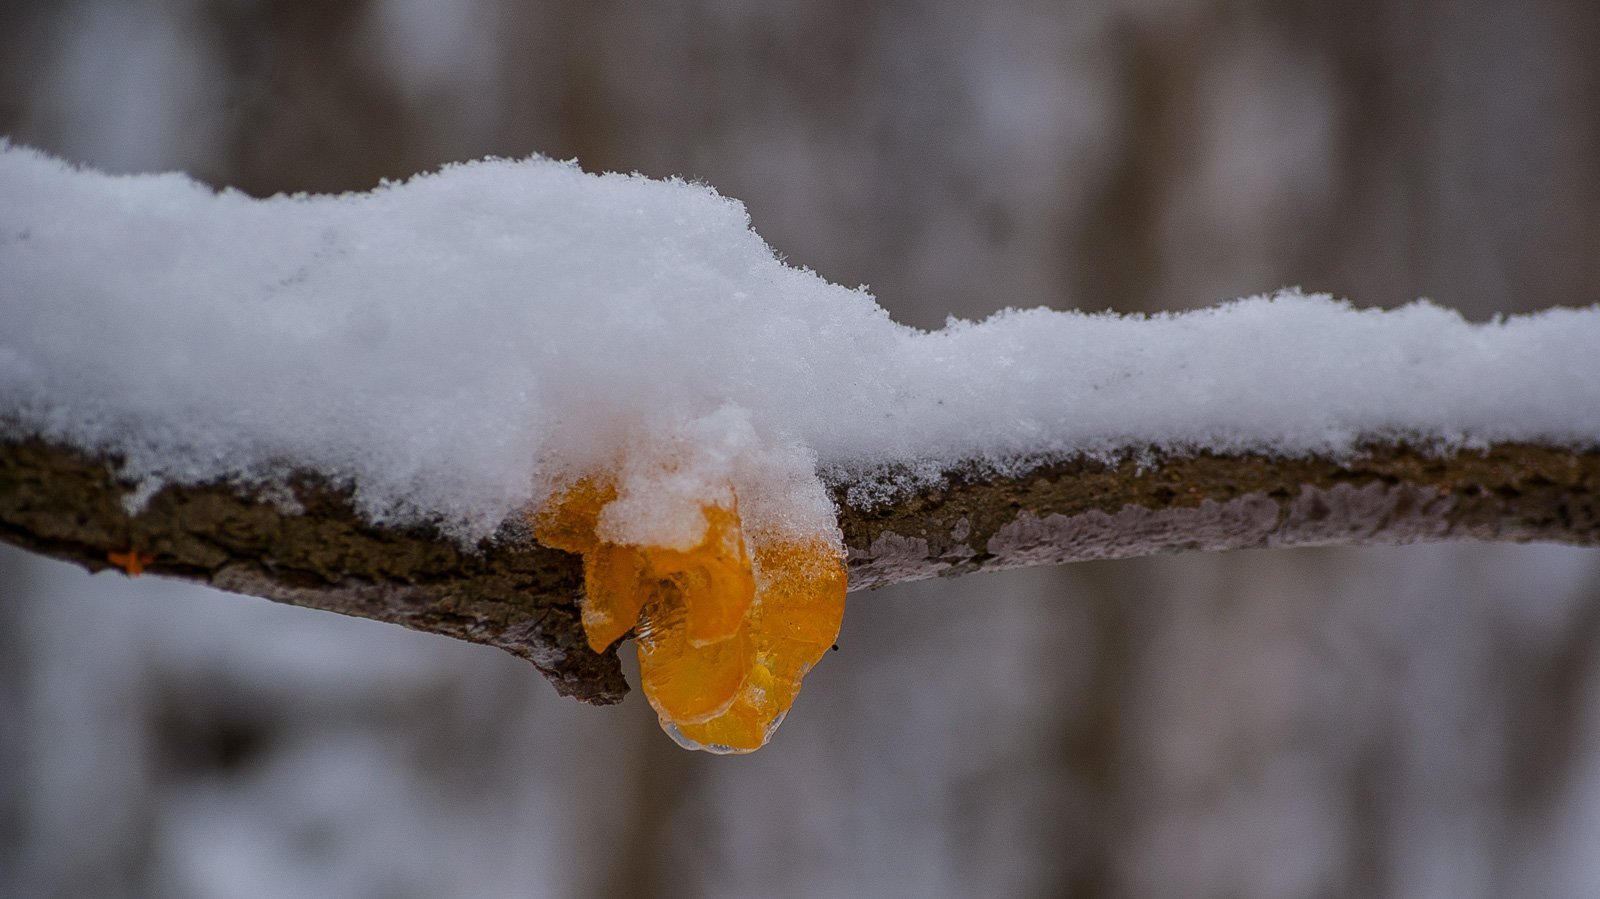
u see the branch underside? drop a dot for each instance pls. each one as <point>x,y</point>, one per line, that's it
<point>523,597</point>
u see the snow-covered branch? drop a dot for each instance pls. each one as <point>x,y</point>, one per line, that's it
<point>355,402</point>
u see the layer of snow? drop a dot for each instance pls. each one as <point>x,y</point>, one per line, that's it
<point>455,345</point>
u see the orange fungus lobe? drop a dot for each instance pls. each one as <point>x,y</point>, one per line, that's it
<point>724,632</point>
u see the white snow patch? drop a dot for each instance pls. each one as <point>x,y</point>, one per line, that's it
<point>452,347</point>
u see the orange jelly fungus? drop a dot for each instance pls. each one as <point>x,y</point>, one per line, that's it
<point>723,639</point>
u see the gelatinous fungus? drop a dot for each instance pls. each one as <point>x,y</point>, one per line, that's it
<point>724,634</point>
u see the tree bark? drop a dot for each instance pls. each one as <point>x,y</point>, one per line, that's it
<point>308,547</point>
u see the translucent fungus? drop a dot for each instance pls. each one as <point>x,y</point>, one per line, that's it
<point>725,633</point>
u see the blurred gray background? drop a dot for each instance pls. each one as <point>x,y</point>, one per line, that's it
<point>1420,721</point>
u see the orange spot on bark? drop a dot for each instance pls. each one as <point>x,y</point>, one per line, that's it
<point>131,562</point>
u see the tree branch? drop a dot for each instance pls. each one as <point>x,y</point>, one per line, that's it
<point>522,597</point>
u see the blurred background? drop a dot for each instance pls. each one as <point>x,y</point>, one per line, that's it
<point>1418,721</point>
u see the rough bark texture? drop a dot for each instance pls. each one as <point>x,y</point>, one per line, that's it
<point>1082,509</point>
<point>522,597</point>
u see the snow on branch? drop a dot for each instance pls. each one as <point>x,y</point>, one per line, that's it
<point>355,402</point>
